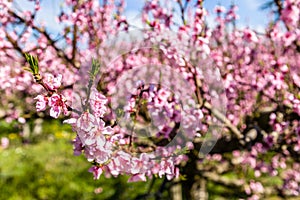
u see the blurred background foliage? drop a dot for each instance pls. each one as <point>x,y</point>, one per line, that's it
<point>40,165</point>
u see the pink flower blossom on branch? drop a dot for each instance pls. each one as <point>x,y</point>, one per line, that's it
<point>57,105</point>
<point>42,102</point>
<point>53,83</point>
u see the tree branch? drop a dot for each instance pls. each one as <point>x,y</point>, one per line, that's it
<point>60,53</point>
<point>223,119</point>
<point>237,183</point>
<point>74,41</point>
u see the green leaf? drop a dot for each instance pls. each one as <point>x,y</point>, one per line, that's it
<point>33,62</point>
<point>27,69</point>
<point>95,68</point>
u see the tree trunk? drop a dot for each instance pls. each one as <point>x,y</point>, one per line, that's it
<point>198,191</point>
<point>176,191</point>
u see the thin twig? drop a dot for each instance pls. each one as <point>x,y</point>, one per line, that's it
<point>60,53</point>
<point>224,119</point>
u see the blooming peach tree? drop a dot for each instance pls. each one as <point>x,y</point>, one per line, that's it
<point>175,99</point>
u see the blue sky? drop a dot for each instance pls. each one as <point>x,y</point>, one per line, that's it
<point>249,12</point>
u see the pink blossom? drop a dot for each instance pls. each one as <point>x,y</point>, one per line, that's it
<point>71,121</point>
<point>57,104</point>
<point>141,164</point>
<point>130,107</point>
<point>41,103</point>
<point>120,163</point>
<point>296,79</point>
<point>163,94</point>
<point>219,9</point>
<point>98,102</point>
<point>78,147</point>
<point>86,122</point>
<point>4,142</point>
<point>292,181</point>
<point>137,177</point>
<point>22,120</point>
<point>165,132</point>
<point>275,33</point>
<point>105,130</point>
<point>254,188</point>
<point>288,38</point>
<point>98,153</point>
<point>290,13</point>
<point>52,82</point>
<point>254,197</point>
<point>296,106</point>
<point>97,171</point>
<point>284,68</point>
<point>167,168</point>
<point>297,146</point>
<point>250,36</point>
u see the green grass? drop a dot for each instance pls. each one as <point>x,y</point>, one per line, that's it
<point>48,170</point>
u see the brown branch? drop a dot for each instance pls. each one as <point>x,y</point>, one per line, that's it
<point>182,9</point>
<point>14,44</point>
<point>214,111</point>
<point>74,41</point>
<point>279,6</point>
<point>237,183</point>
<point>224,119</point>
<point>60,53</point>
